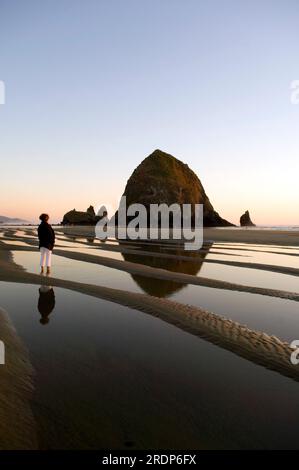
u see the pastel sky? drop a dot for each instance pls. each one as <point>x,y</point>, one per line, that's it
<point>94,86</point>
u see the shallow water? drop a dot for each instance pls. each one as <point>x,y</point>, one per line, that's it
<point>272,315</point>
<point>100,252</point>
<point>250,277</point>
<point>274,259</point>
<point>15,242</point>
<point>59,243</point>
<point>223,272</point>
<point>25,234</point>
<point>78,271</point>
<point>107,376</point>
<point>256,246</point>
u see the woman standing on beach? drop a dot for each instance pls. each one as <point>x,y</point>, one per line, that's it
<point>46,238</point>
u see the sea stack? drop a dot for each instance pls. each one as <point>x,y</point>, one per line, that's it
<point>162,178</point>
<point>245,220</point>
<point>74,217</point>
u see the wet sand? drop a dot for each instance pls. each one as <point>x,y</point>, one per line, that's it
<point>230,235</point>
<point>163,274</point>
<point>17,423</point>
<point>254,235</point>
<point>269,351</point>
<point>144,261</point>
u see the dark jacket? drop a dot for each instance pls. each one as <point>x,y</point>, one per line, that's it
<point>46,236</point>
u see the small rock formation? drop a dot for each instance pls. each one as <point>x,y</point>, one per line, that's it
<point>245,220</point>
<point>81,218</point>
<point>162,178</point>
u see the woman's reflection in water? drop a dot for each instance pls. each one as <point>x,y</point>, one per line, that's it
<point>46,303</point>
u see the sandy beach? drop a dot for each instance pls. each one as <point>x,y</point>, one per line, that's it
<point>149,232</point>
<point>154,279</point>
<point>161,307</point>
<point>256,346</point>
<point>253,235</point>
<point>228,235</point>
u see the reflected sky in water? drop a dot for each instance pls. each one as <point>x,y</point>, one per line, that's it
<point>106,375</point>
<point>78,271</point>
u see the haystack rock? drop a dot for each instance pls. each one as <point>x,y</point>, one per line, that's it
<point>245,220</point>
<point>74,217</point>
<point>162,178</point>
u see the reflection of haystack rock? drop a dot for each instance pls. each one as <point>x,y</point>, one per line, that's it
<point>46,303</point>
<point>162,178</point>
<point>158,287</point>
<point>80,218</point>
<point>87,233</point>
<point>17,424</point>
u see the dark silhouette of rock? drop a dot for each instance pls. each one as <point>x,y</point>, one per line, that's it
<point>80,218</point>
<point>245,220</point>
<point>162,178</point>
<point>90,211</point>
<point>159,287</point>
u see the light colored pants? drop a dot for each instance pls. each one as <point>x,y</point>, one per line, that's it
<point>45,257</point>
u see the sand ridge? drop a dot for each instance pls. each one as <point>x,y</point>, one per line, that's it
<point>258,347</point>
<point>163,274</point>
<point>17,423</point>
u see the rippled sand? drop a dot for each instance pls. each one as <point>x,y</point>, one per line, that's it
<point>152,278</point>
